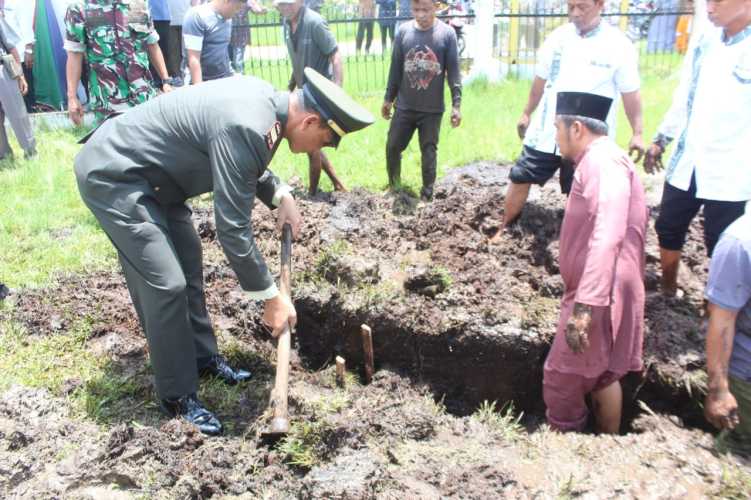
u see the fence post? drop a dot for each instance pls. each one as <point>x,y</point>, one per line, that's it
<point>484,64</point>
<point>623,23</point>
<point>513,33</point>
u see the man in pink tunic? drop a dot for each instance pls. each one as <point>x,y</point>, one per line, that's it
<point>600,330</point>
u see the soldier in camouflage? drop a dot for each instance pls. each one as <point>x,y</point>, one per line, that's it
<point>118,39</point>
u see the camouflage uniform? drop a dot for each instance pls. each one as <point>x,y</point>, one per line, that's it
<point>114,35</point>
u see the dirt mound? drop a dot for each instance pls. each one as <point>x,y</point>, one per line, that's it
<point>473,321</point>
<point>388,440</point>
<point>453,320</point>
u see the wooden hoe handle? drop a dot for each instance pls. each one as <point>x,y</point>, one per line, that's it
<point>280,423</point>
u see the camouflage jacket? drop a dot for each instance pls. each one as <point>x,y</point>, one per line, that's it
<point>113,34</point>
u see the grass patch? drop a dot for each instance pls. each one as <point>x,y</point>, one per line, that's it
<point>302,447</point>
<point>44,227</point>
<point>568,490</point>
<point>373,295</point>
<point>502,422</point>
<point>108,398</point>
<point>313,440</point>
<point>437,407</point>
<point>326,262</point>
<point>45,362</point>
<point>735,484</point>
<point>335,402</point>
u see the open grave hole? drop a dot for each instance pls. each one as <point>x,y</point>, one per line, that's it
<point>472,322</point>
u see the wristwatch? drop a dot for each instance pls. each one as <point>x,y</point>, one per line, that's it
<point>169,81</point>
<point>662,141</point>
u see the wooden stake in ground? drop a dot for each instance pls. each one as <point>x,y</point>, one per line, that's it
<point>341,367</point>
<point>367,347</point>
<point>280,423</point>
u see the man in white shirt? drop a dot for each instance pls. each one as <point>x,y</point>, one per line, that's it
<point>19,15</point>
<point>674,119</point>
<point>585,55</point>
<point>710,167</point>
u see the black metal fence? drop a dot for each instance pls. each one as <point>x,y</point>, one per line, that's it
<point>661,39</point>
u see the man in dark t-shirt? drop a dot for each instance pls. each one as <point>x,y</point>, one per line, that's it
<point>311,44</point>
<point>424,55</point>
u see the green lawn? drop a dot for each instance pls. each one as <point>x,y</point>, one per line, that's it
<point>45,229</point>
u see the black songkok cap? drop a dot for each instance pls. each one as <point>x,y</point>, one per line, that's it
<point>583,104</point>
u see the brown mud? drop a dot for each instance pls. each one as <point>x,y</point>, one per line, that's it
<point>455,322</point>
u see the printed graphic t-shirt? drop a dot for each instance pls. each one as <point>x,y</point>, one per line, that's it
<point>421,62</point>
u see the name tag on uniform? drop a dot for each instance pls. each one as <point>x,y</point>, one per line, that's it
<point>272,136</point>
<point>96,18</point>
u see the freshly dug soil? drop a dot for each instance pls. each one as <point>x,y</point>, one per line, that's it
<point>453,319</point>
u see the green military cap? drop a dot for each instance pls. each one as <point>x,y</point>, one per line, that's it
<point>336,107</point>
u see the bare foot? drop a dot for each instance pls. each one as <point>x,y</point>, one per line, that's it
<point>340,187</point>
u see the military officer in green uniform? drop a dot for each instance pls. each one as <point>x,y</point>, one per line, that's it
<point>118,39</point>
<point>138,169</point>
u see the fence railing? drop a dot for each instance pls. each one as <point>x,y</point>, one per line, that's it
<point>661,38</point>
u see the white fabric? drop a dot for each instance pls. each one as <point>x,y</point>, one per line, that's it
<point>675,118</point>
<point>193,42</point>
<point>267,294</point>
<point>177,10</point>
<point>72,46</point>
<point>19,14</point>
<point>12,37</point>
<point>281,191</point>
<point>602,62</point>
<point>716,130</point>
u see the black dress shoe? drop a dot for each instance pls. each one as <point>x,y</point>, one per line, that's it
<point>217,366</point>
<point>192,410</point>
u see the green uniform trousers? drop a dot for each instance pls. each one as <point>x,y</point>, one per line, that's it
<point>162,258</point>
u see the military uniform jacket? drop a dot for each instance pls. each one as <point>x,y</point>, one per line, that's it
<point>113,34</point>
<point>215,137</point>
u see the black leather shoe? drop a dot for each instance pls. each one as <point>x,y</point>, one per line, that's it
<point>192,410</point>
<point>219,367</point>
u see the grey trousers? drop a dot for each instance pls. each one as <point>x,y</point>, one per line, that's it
<point>13,106</point>
<point>161,257</point>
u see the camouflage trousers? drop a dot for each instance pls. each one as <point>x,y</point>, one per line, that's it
<point>738,441</point>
